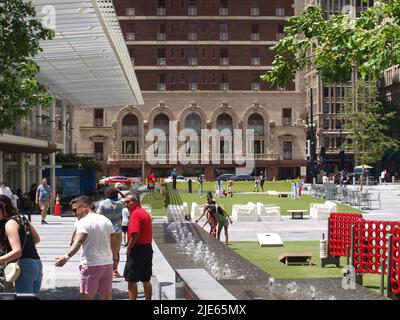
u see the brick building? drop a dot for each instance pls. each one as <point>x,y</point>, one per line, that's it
<point>199,63</point>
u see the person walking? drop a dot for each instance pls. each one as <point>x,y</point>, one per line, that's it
<point>95,234</point>
<point>44,196</point>
<point>4,190</point>
<point>229,186</point>
<point>18,237</point>
<point>139,251</point>
<point>174,175</point>
<point>151,183</point>
<point>383,176</point>
<point>262,181</point>
<point>201,180</point>
<point>125,222</point>
<point>256,184</point>
<point>112,208</point>
<point>223,220</point>
<point>210,211</point>
<point>32,200</point>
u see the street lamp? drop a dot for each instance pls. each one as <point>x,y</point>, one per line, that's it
<point>311,135</point>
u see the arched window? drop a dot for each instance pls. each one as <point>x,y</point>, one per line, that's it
<point>161,121</point>
<point>224,121</point>
<point>256,122</point>
<point>193,121</point>
<point>130,126</point>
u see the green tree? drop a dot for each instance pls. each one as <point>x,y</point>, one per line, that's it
<point>74,161</point>
<point>20,33</point>
<point>366,126</point>
<point>129,149</point>
<point>334,46</point>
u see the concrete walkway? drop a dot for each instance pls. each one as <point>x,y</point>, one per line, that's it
<point>312,229</point>
<point>63,283</point>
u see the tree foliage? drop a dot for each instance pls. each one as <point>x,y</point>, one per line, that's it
<point>75,161</point>
<point>367,126</point>
<point>20,33</point>
<point>333,46</point>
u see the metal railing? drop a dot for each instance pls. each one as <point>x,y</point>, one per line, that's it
<point>255,36</point>
<point>43,132</point>
<point>161,11</point>
<point>254,11</point>
<point>223,11</point>
<point>255,61</point>
<point>130,11</point>
<point>161,36</point>
<point>195,156</point>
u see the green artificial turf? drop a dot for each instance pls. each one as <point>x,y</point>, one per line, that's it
<point>268,260</point>
<point>284,203</point>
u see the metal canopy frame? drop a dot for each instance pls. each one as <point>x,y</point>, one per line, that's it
<point>87,61</point>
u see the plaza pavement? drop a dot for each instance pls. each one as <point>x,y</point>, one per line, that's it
<point>63,283</point>
<point>312,229</point>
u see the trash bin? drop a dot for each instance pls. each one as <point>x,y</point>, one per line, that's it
<point>190,188</point>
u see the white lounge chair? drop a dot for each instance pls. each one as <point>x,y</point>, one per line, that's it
<point>245,212</point>
<point>147,207</point>
<point>322,211</point>
<point>268,212</point>
<point>196,210</point>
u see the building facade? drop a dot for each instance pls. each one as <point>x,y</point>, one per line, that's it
<point>199,63</point>
<point>327,101</point>
<point>30,147</point>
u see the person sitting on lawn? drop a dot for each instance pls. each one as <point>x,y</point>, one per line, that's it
<point>210,210</point>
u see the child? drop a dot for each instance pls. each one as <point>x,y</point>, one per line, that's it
<point>125,222</point>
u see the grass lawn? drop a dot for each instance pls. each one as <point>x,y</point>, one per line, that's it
<point>267,259</point>
<point>285,203</point>
<point>238,186</point>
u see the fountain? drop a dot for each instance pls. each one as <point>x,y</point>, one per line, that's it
<point>186,245</point>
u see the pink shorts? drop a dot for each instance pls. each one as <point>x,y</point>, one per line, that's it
<point>96,279</point>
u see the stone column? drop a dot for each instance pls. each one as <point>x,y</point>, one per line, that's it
<point>53,120</point>
<point>39,120</point>
<point>53,172</point>
<point>39,175</point>
<point>21,171</point>
<point>64,124</point>
<point>1,165</point>
<point>27,177</point>
<point>52,138</point>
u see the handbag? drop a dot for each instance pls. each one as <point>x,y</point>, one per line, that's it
<point>13,270</point>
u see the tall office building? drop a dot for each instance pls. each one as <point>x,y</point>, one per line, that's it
<point>328,99</point>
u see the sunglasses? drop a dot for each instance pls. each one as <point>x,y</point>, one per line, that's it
<point>127,202</point>
<point>74,210</point>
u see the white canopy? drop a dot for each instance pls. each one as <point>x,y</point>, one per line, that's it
<point>87,61</point>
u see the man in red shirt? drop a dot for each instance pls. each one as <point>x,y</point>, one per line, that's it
<point>139,251</point>
<point>151,183</point>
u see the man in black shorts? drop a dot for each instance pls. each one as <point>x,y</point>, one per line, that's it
<point>139,251</point>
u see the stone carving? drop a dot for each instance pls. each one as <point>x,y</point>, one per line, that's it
<point>114,135</point>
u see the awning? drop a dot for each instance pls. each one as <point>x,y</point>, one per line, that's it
<point>87,61</point>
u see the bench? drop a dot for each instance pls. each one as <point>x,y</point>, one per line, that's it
<point>297,214</point>
<point>283,194</point>
<point>296,258</point>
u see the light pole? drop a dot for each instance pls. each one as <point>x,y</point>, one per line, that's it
<point>312,158</point>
